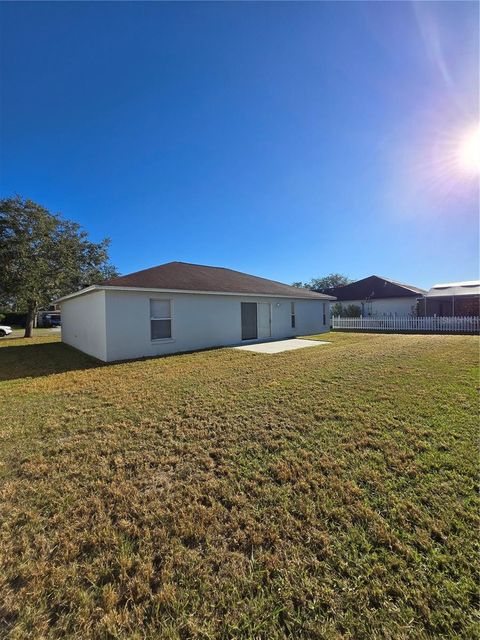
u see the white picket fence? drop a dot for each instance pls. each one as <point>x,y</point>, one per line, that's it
<point>434,324</point>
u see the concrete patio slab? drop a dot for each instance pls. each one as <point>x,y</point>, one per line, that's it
<point>278,346</point>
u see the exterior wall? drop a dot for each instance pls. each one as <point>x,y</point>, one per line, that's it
<point>404,306</point>
<point>199,321</point>
<point>83,324</point>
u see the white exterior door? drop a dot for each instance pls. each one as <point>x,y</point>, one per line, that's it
<point>264,320</point>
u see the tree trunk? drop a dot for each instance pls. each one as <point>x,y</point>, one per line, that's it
<point>32,312</point>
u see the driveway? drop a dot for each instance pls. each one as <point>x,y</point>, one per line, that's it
<point>279,346</point>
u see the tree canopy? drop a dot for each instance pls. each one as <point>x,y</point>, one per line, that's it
<point>43,256</point>
<point>324,283</point>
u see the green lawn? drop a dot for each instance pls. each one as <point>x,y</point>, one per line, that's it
<point>18,332</point>
<point>321,493</point>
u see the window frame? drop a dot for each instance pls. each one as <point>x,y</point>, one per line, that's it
<point>324,313</point>
<point>293,319</point>
<point>170,301</point>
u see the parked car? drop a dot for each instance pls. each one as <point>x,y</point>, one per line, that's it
<point>52,321</point>
<point>4,330</point>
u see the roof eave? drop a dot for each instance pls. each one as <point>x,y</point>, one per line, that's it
<point>96,287</point>
<point>93,287</point>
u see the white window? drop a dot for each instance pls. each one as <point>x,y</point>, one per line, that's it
<point>160,319</point>
<point>292,314</point>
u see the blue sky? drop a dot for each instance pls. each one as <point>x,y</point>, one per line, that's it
<point>288,140</point>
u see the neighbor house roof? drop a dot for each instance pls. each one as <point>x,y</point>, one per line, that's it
<point>375,287</point>
<point>182,276</point>
<point>468,288</point>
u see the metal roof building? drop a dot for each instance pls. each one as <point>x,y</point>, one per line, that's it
<point>454,299</point>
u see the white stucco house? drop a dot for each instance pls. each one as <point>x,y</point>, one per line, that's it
<point>179,307</point>
<point>378,296</point>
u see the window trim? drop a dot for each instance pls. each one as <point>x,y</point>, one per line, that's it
<point>324,313</point>
<point>293,319</point>
<point>170,301</point>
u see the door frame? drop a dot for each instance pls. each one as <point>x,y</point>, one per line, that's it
<point>270,320</point>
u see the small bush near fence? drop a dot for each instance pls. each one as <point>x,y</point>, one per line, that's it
<point>349,311</point>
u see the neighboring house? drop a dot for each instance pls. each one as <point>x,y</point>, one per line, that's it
<point>453,299</point>
<point>378,296</point>
<point>184,307</point>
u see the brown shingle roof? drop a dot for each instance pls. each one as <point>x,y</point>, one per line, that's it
<point>375,287</point>
<point>183,276</point>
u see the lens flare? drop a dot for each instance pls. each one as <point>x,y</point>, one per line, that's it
<point>469,152</point>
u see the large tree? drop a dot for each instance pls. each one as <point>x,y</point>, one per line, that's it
<point>328,282</point>
<point>325,283</point>
<point>43,256</point>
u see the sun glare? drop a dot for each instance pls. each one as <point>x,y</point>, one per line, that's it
<point>469,152</point>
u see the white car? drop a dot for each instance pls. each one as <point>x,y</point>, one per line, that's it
<point>4,330</point>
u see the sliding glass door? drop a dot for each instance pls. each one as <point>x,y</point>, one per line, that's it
<point>249,321</point>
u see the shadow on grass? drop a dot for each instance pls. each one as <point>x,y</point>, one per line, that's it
<point>43,359</point>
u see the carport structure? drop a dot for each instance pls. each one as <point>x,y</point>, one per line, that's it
<point>453,299</point>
